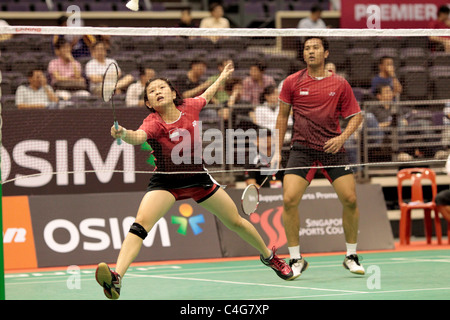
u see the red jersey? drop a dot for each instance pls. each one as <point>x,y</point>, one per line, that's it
<point>438,25</point>
<point>177,146</point>
<point>317,106</point>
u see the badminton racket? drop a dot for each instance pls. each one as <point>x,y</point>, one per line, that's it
<point>250,197</point>
<point>109,85</point>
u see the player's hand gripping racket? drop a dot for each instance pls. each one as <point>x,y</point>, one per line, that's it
<point>250,197</point>
<point>109,85</point>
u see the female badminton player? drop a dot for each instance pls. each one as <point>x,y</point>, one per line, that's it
<point>171,118</point>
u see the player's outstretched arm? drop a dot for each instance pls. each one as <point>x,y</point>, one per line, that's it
<point>211,91</point>
<point>129,136</point>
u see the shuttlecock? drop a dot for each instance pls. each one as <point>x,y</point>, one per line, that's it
<point>133,5</point>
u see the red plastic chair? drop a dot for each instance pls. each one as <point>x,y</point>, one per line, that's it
<point>416,175</point>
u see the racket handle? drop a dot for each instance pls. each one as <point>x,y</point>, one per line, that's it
<point>116,126</point>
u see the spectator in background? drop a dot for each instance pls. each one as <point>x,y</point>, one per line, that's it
<point>37,94</point>
<point>383,111</point>
<point>104,38</point>
<point>386,75</point>
<point>314,21</point>
<point>265,114</point>
<point>442,22</point>
<point>216,20</point>
<point>80,44</point>
<point>254,84</point>
<point>186,19</point>
<point>135,92</point>
<point>330,68</point>
<point>96,67</point>
<point>402,118</point>
<point>190,85</point>
<point>65,72</point>
<point>254,174</point>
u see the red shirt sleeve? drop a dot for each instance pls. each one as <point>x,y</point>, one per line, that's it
<point>286,90</point>
<point>150,126</point>
<point>347,101</point>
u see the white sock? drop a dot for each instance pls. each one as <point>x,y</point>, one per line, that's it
<point>351,248</point>
<point>294,252</point>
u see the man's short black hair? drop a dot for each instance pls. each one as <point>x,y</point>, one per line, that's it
<point>381,60</point>
<point>316,8</point>
<point>214,5</point>
<point>197,61</point>
<point>444,9</point>
<point>380,87</point>
<point>60,42</point>
<point>260,64</point>
<point>324,42</point>
<point>31,71</point>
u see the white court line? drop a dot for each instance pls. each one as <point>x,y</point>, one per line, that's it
<point>26,277</point>
<point>352,293</point>
<point>20,277</point>
<point>243,283</point>
<point>422,260</point>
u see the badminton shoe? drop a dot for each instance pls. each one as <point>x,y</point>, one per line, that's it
<point>351,263</point>
<point>109,280</point>
<point>298,266</point>
<point>278,265</point>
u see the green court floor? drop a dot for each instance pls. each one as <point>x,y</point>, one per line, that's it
<point>405,275</point>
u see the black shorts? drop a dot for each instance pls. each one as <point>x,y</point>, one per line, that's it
<point>302,156</point>
<point>199,187</point>
<point>443,198</point>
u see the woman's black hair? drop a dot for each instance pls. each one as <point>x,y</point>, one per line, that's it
<point>267,90</point>
<point>177,101</point>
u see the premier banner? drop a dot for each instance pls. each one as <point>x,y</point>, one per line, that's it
<point>412,14</point>
<point>84,229</point>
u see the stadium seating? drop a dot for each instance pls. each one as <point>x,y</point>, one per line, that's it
<point>414,56</point>
<point>415,82</point>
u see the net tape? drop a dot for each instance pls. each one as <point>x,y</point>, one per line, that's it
<point>237,32</point>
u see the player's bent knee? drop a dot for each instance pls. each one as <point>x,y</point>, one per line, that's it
<point>138,230</point>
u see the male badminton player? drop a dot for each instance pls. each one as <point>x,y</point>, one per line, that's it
<point>170,119</point>
<point>317,101</point>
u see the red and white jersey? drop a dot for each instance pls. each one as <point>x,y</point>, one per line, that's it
<point>167,139</point>
<point>317,106</point>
